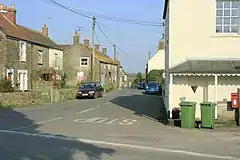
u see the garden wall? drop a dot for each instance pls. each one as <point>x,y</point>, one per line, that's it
<point>18,99</point>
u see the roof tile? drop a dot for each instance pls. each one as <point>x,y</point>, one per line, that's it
<point>23,33</point>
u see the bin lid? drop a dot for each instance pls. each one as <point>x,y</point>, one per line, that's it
<point>208,103</point>
<point>187,103</point>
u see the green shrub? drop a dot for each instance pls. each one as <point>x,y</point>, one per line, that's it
<point>6,86</point>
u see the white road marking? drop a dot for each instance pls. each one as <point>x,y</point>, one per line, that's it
<point>111,122</point>
<point>127,122</point>
<point>108,103</point>
<point>38,123</point>
<point>88,110</point>
<point>123,145</point>
<point>104,120</point>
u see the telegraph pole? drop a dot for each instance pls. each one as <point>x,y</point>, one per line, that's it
<point>115,52</point>
<point>93,54</point>
<point>149,55</point>
<point>118,67</point>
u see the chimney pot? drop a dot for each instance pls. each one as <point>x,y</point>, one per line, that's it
<point>104,50</point>
<point>45,30</point>
<point>11,12</point>
<point>97,46</point>
<point>86,41</point>
<point>12,6</point>
<point>76,38</point>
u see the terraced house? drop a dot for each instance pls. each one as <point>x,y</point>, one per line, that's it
<point>77,63</point>
<point>25,51</point>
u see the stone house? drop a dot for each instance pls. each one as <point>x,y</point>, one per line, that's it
<point>77,63</point>
<point>201,61</point>
<point>23,50</point>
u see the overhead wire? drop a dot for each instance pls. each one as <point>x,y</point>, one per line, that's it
<point>86,15</point>
<point>100,16</point>
<point>110,41</point>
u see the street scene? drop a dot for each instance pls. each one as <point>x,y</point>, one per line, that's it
<point>122,124</point>
<point>114,80</point>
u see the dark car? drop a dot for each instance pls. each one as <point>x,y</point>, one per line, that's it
<point>141,85</point>
<point>153,88</point>
<point>90,90</point>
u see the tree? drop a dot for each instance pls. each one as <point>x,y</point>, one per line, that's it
<point>156,75</point>
<point>138,78</point>
<point>6,86</point>
<point>63,80</point>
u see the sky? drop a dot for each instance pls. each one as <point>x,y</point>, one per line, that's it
<point>136,40</point>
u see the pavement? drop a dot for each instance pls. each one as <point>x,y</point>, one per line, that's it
<point>125,124</point>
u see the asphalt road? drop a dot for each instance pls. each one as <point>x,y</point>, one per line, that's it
<point>122,125</point>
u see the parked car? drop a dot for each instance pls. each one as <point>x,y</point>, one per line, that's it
<point>153,88</point>
<point>141,85</point>
<point>90,90</point>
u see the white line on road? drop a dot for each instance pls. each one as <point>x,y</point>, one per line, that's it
<point>38,123</point>
<point>84,111</point>
<point>108,103</point>
<point>123,145</point>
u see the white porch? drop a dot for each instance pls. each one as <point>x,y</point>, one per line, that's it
<point>203,80</point>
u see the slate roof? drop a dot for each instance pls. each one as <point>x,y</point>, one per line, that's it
<point>100,56</point>
<point>24,33</point>
<point>227,66</point>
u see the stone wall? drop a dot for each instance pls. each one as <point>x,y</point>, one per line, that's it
<point>18,99</point>
<point>225,112</point>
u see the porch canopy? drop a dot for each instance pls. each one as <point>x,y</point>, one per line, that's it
<point>207,66</point>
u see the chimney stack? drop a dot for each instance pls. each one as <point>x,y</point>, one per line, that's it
<point>161,45</point>
<point>45,30</point>
<point>10,12</point>
<point>104,50</point>
<point>86,41</point>
<point>76,38</point>
<point>97,46</point>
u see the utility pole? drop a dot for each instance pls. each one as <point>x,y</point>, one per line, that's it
<point>93,54</point>
<point>149,55</point>
<point>118,67</point>
<point>115,52</point>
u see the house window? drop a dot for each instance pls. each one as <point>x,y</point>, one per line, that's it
<point>23,51</point>
<point>40,57</point>
<point>56,60</point>
<point>227,16</point>
<point>84,61</point>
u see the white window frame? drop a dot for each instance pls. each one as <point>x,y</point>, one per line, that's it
<point>84,65</point>
<point>22,51</point>
<point>56,60</point>
<point>40,55</point>
<point>221,17</point>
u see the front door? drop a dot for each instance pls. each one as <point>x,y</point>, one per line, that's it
<point>23,80</point>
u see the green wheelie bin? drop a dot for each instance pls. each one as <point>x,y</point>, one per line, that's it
<point>208,115</point>
<point>188,110</point>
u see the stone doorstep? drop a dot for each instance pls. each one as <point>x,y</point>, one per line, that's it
<point>218,123</point>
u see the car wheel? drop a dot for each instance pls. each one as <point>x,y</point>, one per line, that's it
<point>101,95</point>
<point>95,96</point>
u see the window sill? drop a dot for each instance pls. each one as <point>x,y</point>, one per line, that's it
<point>222,35</point>
<point>24,61</point>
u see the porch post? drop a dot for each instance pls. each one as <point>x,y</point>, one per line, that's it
<point>215,93</point>
<point>170,94</point>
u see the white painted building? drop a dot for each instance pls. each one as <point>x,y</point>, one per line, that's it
<point>157,61</point>
<point>202,49</point>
